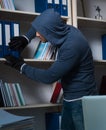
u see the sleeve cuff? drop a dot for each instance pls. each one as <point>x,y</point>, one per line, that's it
<point>22,67</point>
<point>26,38</point>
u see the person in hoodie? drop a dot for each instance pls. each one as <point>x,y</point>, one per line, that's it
<point>74,64</point>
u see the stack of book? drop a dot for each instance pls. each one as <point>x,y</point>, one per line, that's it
<point>10,121</point>
<point>11,94</point>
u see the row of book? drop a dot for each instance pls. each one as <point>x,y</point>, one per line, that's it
<point>11,94</point>
<point>9,121</point>
<point>45,51</point>
<point>60,6</point>
<point>7,31</point>
<point>7,4</point>
<point>39,50</point>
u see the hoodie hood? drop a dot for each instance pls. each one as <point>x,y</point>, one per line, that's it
<point>51,26</point>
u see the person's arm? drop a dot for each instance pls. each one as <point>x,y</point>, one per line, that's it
<point>30,34</point>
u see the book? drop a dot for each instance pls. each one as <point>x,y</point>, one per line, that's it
<point>56,92</point>
<point>12,91</point>
<point>9,96</point>
<point>9,30</point>
<point>6,37</point>
<point>104,47</point>
<point>14,31</point>
<point>40,5</point>
<point>57,6</point>
<point>20,94</point>
<point>16,94</point>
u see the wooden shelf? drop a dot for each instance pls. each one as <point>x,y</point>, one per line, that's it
<point>32,106</point>
<point>90,22</point>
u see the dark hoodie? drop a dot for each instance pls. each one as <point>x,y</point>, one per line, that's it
<point>74,64</point>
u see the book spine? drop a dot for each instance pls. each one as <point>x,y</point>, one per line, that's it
<point>20,94</point>
<point>56,92</point>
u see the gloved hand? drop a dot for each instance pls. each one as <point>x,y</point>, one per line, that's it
<point>18,43</point>
<point>14,62</point>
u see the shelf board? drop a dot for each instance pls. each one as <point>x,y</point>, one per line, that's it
<point>32,106</point>
<point>16,15</point>
<point>32,60</point>
<point>90,22</point>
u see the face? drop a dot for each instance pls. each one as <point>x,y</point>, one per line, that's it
<point>41,37</point>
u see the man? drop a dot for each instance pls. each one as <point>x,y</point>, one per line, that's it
<point>74,64</point>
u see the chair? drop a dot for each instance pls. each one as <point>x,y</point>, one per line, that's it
<point>94,112</point>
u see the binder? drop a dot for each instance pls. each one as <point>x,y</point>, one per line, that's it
<point>104,47</point>
<point>50,4</point>
<point>57,6</point>
<point>53,120</point>
<point>6,37</point>
<point>14,31</point>
<point>64,7</point>
<point>1,40</point>
<point>40,5</point>
<point>56,92</point>
<point>39,51</point>
<point>10,29</point>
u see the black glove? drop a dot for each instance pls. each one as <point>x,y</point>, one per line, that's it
<point>18,43</point>
<point>14,62</point>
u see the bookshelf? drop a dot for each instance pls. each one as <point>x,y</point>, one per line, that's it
<point>37,94</point>
<point>93,29</point>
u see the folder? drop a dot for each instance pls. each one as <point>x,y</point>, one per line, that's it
<point>104,47</point>
<point>50,4</point>
<point>14,31</point>
<point>6,37</point>
<point>40,5</point>
<point>10,29</point>
<point>64,7</point>
<point>57,6</point>
<point>1,40</point>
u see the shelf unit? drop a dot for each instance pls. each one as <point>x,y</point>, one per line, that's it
<point>93,29</point>
<point>37,95</point>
